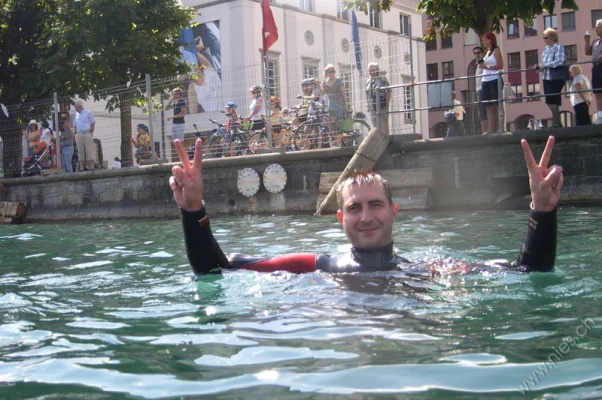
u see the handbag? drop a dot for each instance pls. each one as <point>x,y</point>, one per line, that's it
<point>560,73</point>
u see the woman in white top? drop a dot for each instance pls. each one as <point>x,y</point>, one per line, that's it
<point>257,108</point>
<point>581,95</point>
<point>492,63</point>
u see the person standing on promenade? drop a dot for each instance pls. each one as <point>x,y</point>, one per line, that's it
<point>553,81</point>
<point>595,50</point>
<point>478,55</point>
<point>379,113</point>
<point>84,130</point>
<point>66,137</point>
<point>179,111</point>
<point>493,62</point>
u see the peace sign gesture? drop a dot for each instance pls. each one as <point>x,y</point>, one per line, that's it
<point>545,182</point>
<point>186,181</point>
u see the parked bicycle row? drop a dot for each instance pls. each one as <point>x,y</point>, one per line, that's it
<point>304,127</point>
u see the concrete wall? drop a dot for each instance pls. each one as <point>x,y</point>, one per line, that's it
<point>469,173</point>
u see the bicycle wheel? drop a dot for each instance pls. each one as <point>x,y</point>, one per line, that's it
<point>215,149</point>
<point>329,140</point>
<point>309,134</point>
<point>257,141</point>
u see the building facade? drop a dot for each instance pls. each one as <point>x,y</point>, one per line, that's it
<point>522,47</point>
<point>312,34</point>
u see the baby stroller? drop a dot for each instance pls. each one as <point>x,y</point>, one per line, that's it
<point>41,159</point>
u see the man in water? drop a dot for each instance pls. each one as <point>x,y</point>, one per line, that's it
<point>366,212</point>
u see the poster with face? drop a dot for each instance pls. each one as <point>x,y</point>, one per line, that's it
<point>204,90</point>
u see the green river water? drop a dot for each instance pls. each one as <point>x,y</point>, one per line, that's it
<point>112,311</point>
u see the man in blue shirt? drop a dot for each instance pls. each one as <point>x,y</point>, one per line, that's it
<point>84,130</point>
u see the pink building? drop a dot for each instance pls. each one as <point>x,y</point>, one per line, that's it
<point>522,47</point>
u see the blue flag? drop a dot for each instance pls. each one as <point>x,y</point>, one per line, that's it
<point>355,37</point>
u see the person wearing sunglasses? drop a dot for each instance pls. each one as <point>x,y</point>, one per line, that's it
<point>553,61</point>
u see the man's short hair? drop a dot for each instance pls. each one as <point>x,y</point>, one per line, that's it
<point>373,65</point>
<point>363,176</point>
<point>79,102</point>
<point>477,48</point>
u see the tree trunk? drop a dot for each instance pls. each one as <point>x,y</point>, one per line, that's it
<point>125,117</point>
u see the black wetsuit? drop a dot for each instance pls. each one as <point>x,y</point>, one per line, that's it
<point>205,256</point>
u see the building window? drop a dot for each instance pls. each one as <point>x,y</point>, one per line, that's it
<point>431,44</point>
<point>515,94</point>
<point>342,13</point>
<point>570,52</point>
<point>310,71</point>
<point>407,100</point>
<point>513,30</point>
<point>513,61</point>
<point>532,76</point>
<point>345,76</point>
<point>446,41</point>
<point>404,24</point>
<point>306,5</point>
<point>448,69</point>
<point>568,21</point>
<point>515,83</point>
<point>272,73</point>
<point>550,21</point>
<point>432,72</point>
<point>531,30</point>
<point>531,58</point>
<point>533,90</point>
<point>375,18</point>
<point>596,15</point>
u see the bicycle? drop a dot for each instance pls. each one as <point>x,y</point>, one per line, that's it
<point>315,132</point>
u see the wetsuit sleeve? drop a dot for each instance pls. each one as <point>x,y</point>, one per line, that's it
<point>539,251</point>
<point>206,257</point>
<point>204,254</point>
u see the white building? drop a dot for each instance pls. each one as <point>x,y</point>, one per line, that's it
<point>312,34</point>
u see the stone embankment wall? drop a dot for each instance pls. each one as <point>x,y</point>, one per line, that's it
<point>468,173</point>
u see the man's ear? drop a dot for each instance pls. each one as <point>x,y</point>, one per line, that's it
<point>395,209</point>
<point>340,216</point>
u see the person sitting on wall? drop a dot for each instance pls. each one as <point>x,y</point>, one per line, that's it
<point>367,213</point>
<point>142,143</point>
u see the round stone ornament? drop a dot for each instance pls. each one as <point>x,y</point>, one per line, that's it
<point>274,178</point>
<point>248,182</point>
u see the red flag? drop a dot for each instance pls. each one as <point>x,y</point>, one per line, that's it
<point>269,31</point>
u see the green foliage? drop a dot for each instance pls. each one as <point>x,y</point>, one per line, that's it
<point>99,44</point>
<point>362,5</point>
<point>24,37</point>
<point>450,16</point>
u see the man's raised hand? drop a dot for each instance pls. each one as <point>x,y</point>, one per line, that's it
<point>186,181</point>
<point>545,182</point>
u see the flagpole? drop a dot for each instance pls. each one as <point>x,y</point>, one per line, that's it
<point>268,106</point>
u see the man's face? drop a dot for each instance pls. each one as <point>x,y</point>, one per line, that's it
<point>366,216</point>
<point>373,71</point>
<point>79,107</point>
<point>478,54</point>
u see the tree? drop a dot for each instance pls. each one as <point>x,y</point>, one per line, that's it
<point>450,16</point>
<point>23,34</point>
<point>99,44</point>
